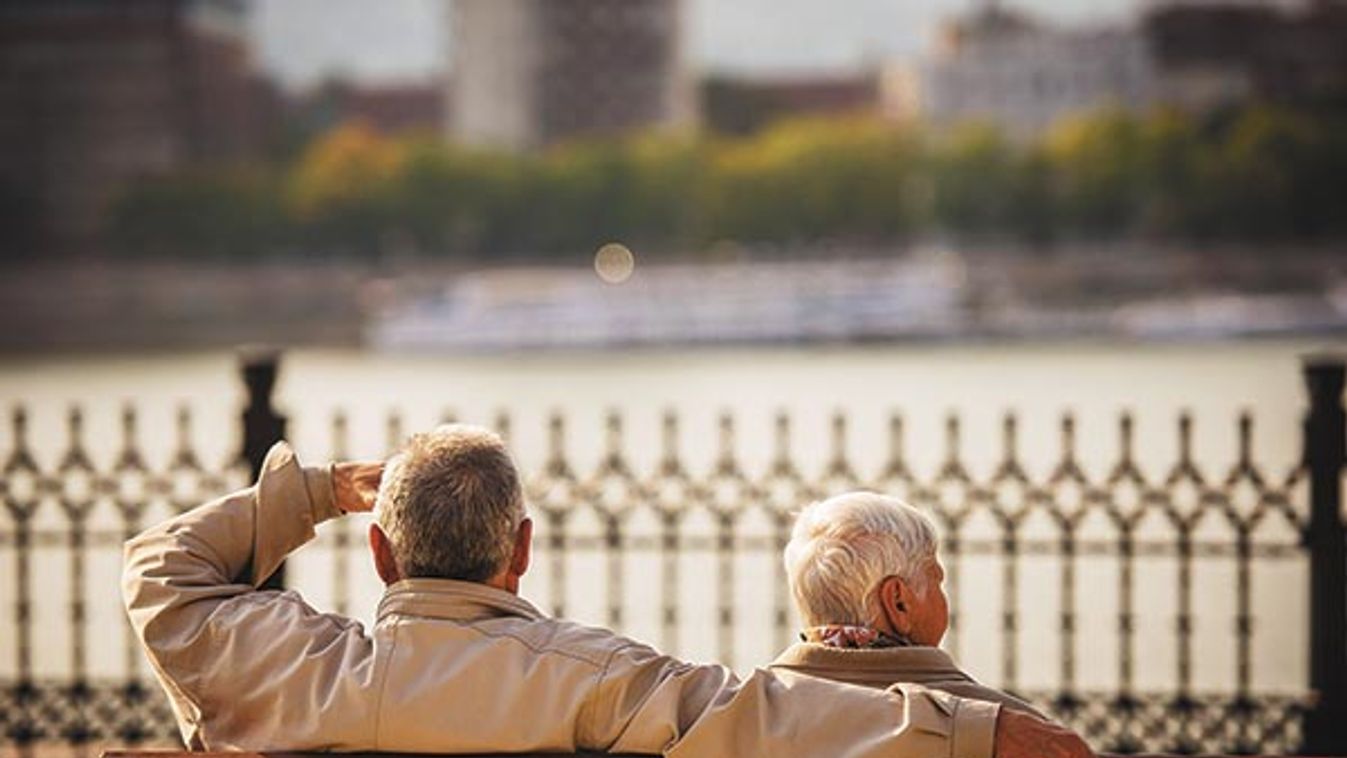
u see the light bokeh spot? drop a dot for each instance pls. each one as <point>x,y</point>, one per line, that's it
<point>614,263</point>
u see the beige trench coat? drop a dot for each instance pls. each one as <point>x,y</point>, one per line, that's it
<point>461,667</point>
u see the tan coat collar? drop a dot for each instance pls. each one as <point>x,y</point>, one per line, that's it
<point>454,600</point>
<point>916,664</point>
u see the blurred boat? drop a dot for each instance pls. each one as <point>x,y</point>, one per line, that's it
<point>684,305</point>
<point>929,296</point>
<point>1232,316</point>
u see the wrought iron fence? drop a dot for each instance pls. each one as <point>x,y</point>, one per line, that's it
<point>696,529</point>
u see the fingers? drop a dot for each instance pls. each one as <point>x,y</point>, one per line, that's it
<point>355,484</point>
<point>368,476</point>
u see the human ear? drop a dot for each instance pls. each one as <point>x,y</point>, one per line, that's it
<point>382,549</point>
<point>523,548</point>
<point>895,603</point>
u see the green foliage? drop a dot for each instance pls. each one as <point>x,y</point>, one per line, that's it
<point>974,171</point>
<point>1252,173</point>
<point>1099,167</point>
<point>811,180</point>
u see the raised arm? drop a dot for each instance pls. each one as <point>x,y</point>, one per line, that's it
<point>243,666</point>
<point>648,702</point>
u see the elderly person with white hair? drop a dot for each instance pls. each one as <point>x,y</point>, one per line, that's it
<point>866,578</point>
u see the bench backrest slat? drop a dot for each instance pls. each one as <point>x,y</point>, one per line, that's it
<point>161,753</point>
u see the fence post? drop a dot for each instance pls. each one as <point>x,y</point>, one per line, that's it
<point>263,426</point>
<point>1325,437</point>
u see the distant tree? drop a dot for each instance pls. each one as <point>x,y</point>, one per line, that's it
<point>1273,173</point>
<point>816,179</point>
<point>342,190</point>
<point>1171,155</point>
<point>1032,213</point>
<point>670,179</point>
<point>1255,172</point>
<point>461,203</point>
<point>1099,167</point>
<point>975,172</point>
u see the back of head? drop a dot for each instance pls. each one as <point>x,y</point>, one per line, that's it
<point>450,502</point>
<point>843,547</point>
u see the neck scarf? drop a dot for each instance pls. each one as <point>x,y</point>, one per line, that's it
<point>852,637</point>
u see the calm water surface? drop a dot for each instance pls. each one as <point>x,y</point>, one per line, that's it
<point>1214,382</point>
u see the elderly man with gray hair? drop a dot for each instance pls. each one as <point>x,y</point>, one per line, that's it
<point>864,572</point>
<point>456,661</point>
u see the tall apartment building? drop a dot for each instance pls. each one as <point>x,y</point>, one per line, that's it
<point>99,92</point>
<point>527,73</point>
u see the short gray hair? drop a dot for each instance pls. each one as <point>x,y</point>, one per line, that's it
<point>450,502</point>
<point>843,547</point>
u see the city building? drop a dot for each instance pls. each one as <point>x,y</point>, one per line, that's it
<point>99,92</point>
<point>1002,67</point>
<point>527,73</point>
<point>1213,54</point>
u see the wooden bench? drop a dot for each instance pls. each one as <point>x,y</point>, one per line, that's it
<point>161,753</point>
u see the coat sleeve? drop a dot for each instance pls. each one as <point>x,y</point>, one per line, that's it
<point>245,668</point>
<point>649,703</point>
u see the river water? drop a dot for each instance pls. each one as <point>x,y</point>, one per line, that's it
<point>1215,382</point>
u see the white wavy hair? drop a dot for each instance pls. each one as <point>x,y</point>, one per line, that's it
<point>843,547</point>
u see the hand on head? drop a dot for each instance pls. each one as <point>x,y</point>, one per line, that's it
<point>355,484</point>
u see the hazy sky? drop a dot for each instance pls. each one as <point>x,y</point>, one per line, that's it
<point>304,40</point>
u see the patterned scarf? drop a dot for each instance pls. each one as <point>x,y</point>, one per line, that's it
<point>852,637</point>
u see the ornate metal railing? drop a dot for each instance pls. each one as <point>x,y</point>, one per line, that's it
<point>1125,719</point>
<point>670,551</point>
